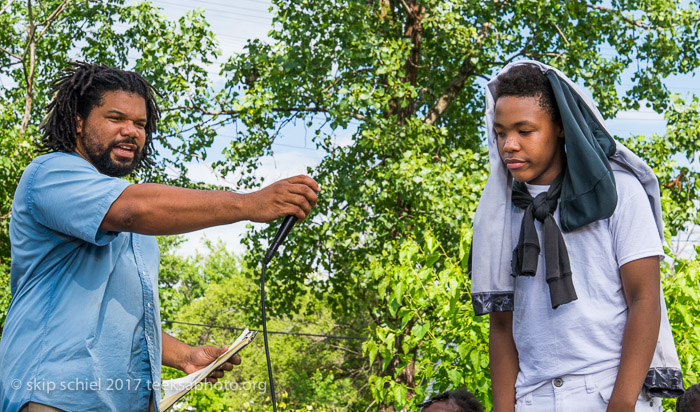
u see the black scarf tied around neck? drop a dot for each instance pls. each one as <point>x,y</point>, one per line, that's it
<point>556,257</point>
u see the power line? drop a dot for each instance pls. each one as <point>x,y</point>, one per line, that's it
<point>314,335</point>
<point>226,7</point>
<point>267,3</point>
<point>219,11</point>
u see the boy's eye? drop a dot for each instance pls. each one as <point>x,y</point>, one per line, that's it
<point>525,132</point>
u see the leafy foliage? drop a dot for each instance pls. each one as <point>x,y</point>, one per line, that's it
<point>311,373</point>
<point>682,290</point>
<point>430,330</point>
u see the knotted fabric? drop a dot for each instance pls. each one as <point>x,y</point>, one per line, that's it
<point>556,257</point>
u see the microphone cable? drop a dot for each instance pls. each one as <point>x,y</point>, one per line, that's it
<point>282,233</point>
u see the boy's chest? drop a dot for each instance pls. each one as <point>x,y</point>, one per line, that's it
<point>593,264</point>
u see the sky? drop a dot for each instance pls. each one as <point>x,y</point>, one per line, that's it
<point>236,22</point>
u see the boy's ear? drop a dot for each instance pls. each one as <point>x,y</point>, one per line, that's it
<point>561,131</point>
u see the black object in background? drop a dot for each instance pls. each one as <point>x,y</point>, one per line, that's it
<point>282,233</point>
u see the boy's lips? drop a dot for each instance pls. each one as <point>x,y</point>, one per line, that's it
<point>514,163</point>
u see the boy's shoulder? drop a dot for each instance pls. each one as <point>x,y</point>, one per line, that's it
<point>629,188</point>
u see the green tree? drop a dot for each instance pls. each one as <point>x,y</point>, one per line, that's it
<point>447,345</point>
<point>311,372</point>
<point>450,344</point>
<point>406,78</point>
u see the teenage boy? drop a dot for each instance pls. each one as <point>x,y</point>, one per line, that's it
<point>566,250</point>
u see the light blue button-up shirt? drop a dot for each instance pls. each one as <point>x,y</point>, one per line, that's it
<point>83,328</point>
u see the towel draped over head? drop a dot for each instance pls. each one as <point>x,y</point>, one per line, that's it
<point>588,194</point>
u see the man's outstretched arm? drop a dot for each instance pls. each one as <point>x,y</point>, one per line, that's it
<point>155,209</point>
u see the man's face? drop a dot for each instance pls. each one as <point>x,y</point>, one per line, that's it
<point>530,144</point>
<point>113,136</point>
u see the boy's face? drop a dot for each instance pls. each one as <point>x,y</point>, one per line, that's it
<point>530,144</point>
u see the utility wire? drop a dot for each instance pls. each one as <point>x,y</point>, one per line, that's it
<point>269,332</point>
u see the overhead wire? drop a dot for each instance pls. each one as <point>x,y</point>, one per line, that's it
<point>313,335</point>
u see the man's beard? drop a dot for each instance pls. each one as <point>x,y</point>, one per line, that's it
<point>101,157</point>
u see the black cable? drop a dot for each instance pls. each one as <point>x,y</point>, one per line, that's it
<point>267,350</point>
<point>282,233</point>
<point>313,335</point>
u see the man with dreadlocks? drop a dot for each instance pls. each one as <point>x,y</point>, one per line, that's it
<point>83,328</point>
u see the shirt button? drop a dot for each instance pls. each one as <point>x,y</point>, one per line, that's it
<point>558,382</point>
<point>149,304</point>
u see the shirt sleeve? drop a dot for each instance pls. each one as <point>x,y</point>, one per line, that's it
<point>634,232</point>
<point>68,195</point>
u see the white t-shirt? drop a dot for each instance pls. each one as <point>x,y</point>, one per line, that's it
<point>584,336</point>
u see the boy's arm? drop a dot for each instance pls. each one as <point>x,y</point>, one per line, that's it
<point>503,359</point>
<point>641,283</point>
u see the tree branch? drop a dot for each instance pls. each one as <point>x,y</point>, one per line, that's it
<point>413,29</point>
<point>562,35</point>
<point>345,349</point>
<point>619,13</point>
<point>16,56</point>
<point>29,75</point>
<point>32,40</point>
<point>465,70</point>
<point>408,9</point>
<point>47,23</point>
<point>7,6</point>
<point>274,109</point>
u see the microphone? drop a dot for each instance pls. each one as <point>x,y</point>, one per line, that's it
<point>282,233</point>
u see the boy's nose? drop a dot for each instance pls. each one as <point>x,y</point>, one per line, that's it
<point>511,144</point>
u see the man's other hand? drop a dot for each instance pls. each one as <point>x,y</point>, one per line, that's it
<point>201,356</point>
<point>293,196</point>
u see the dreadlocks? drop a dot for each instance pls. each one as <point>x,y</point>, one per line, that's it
<point>80,89</point>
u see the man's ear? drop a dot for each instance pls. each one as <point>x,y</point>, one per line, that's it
<point>79,126</point>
